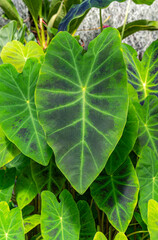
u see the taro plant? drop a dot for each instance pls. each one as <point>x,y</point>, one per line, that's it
<point>78,139</point>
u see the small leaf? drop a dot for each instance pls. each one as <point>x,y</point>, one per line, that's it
<point>31,222</point>
<point>11,224</point>
<point>86,220</point>
<point>117,195</point>
<point>47,178</point>
<point>120,236</point>
<point>59,220</point>
<point>34,8</point>
<point>17,54</point>
<point>18,117</point>
<point>99,236</point>
<point>7,181</point>
<point>148,2</point>
<point>147,171</point>
<point>25,188</point>
<point>153,219</point>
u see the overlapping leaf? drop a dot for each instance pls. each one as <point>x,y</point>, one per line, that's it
<point>18,117</point>
<point>117,195</point>
<point>31,222</point>
<point>47,178</point>
<point>59,220</point>
<point>17,54</point>
<point>11,223</point>
<point>126,143</point>
<point>152,219</point>
<point>148,124</point>
<point>82,103</point>
<point>86,221</point>
<point>143,75</point>
<point>99,236</point>
<point>147,171</point>
<point>8,151</point>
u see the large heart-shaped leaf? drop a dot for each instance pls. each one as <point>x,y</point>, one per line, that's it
<point>18,117</point>
<point>25,188</point>
<point>99,236</point>
<point>11,223</point>
<point>126,143</point>
<point>148,124</point>
<point>152,219</point>
<point>82,103</point>
<point>147,171</point>
<point>7,181</point>
<point>17,54</point>
<point>8,151</point>
<point>143,75</point>
<point>59,220</point>
<point>86,221</point>
<point>47,178</point>
<point>117,194</point>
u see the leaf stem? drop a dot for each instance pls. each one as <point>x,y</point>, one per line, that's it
<point>136,233</point>
<point>144,236</point>
<point>101,23</point>
<point>126,16</point>
<point>37,29</point>
<point>102,222</point>
<point>110,232</point>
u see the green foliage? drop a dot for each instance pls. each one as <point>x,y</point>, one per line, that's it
<point>152,219</point>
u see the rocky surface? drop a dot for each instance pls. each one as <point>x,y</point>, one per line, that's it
<point>140,41</point>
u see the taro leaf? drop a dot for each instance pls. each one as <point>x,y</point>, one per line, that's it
<point>25,188</point>
<point>99,236</point>
<point>18,115</point>
<point>19,162</point>
<point>11,223</point>
<point>47,178</point>
<point>34,8</point>
<point>31,222</point>
<point>117,194</point>
<point>148,2</point>
<point>153,219</point>
<point>148,124</point>
<point>82,103</point>
<point>8,151</point>
<point>59,220</point>
<point>147,171</point>
<point>120,236</point>
<point>10,10</point>
<point>27,210</point>
<point>86,220</point>
<point>17,54</point>
<point>143,75</point>
<point>126,143</point>
<point>7,181</point>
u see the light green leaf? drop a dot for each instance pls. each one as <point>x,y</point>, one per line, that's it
<point>34,8</point>
<point>126,143</point>
<point>153,219</point>
<point>7,181</point>
<point>82,103</point>
<point>17,54</point>
<point>86,220</point>
<point>147,171</point>
<point>31,222</point>
<point>99,236</point>
<point>117,195</point>
<point>18,117</point>
<point>8,151</point>
<point>143,74</point>
<point>11,223</point>
<point>47,178</point>
<point>25,188</point>
<point>148,124</point>
<point>59,220</point>
<point>120,236</point>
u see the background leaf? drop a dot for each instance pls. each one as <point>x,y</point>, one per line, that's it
<point>99,236</point>
<point>152,219</point>
<point>86,221</point>
<point>18,115</point>
<point>147,171</point>
<point>93,87</point>
<point>120,236</point>
<point>59,220</point>
<point>34,8</point>
<point>117,195</point>
<point>31,222</point>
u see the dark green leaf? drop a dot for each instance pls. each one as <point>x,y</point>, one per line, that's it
<point>147,171</point>
<point>117,195</point>
<point>59,220</point>
<point>34,8</point>
<point>87,222</point>
<point>148,2</point>
<point>18,115</point>
<point>82,103</point>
